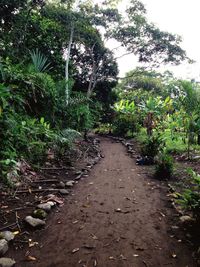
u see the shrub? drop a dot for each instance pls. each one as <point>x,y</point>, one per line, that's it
<point>190,199</point>
<point>151,146</point>
<point>165,166</point>
<point>124,124</point>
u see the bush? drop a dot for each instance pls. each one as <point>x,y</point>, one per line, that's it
<point>190,199</point>
<point>151,146</point>
<point>165,166</point>
<point>125,124</point>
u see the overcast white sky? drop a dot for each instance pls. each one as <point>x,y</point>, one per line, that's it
<point>177,16</point>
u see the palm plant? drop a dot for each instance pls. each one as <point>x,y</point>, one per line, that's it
<point>39,60</point>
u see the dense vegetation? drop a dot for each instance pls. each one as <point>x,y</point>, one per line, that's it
<point>163,114</point>
<point>58,80</point>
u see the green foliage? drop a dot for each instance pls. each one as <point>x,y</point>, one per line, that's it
<point>125,121</point>
<point>33,112</point>
<point>40,62</point>
<point>151,146</point>
<point>64,140</point>
<point>190,198</point>
<point>164,166</point>
<point>124,124</point>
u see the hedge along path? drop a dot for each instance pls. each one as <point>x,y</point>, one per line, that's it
<point>117,217</point>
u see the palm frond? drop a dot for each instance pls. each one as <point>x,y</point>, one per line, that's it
<point>39,60</point>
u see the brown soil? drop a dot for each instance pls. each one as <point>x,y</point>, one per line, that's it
<point>116,217</point>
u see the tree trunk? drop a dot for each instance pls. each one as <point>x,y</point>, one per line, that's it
<point>67,66</point>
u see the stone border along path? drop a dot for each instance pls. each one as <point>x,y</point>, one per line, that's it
<point>117,217</point>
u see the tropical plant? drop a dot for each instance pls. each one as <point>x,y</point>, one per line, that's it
<point>165,166</point>
<point>190,198</point>
<point>40,61</point>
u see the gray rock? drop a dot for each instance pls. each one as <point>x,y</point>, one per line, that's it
<point>186,219</point>
<point>44,206</point>
<point>34,222</point>
<point>64,191</point>
<point>51,203</point>
<point>61,184</point>
<point>6,262</point>
<point>196,158</point>
<point>7,235</point>
<point>3,247</point>
<point>78,177</point>
<point>70,183</point>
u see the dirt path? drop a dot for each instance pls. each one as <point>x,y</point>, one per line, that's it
<point>137,235</point>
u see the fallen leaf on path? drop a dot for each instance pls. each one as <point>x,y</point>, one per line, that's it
<point>32,243</point>
<point>85,205</point>
<point>75,250</point>
<point>125,212</point>
<point>122,257</point>
<point>162,214</point>
<point>118,210</point>
<point>87,246</point>
<point>4,207</point>
<point>139,249</point>
<point>94,237</point>
<point>30,258</point>
<point>16,233</point>
<point>174,255</point>
<point>55,199</point>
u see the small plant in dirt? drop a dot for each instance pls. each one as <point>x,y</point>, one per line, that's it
<point>151,146</point>
<point>190,198</point>
<point>165,166</point>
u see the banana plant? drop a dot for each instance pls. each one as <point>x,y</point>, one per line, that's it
<point>125,106</point>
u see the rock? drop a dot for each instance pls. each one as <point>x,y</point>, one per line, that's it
<point>196,157</point>
<point>96,141</point>
<point>6,262</point>
<point>51,203</point>
<point>34,222</point>
<point>70,183</point>
<point>61,184</point>
<point>7,235</point>
<point>44,206</point>
<point>78,177</point>
<point>40,214</point>
<point>64,191</point>
<point>186,219</point>
<point>3,247</point>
